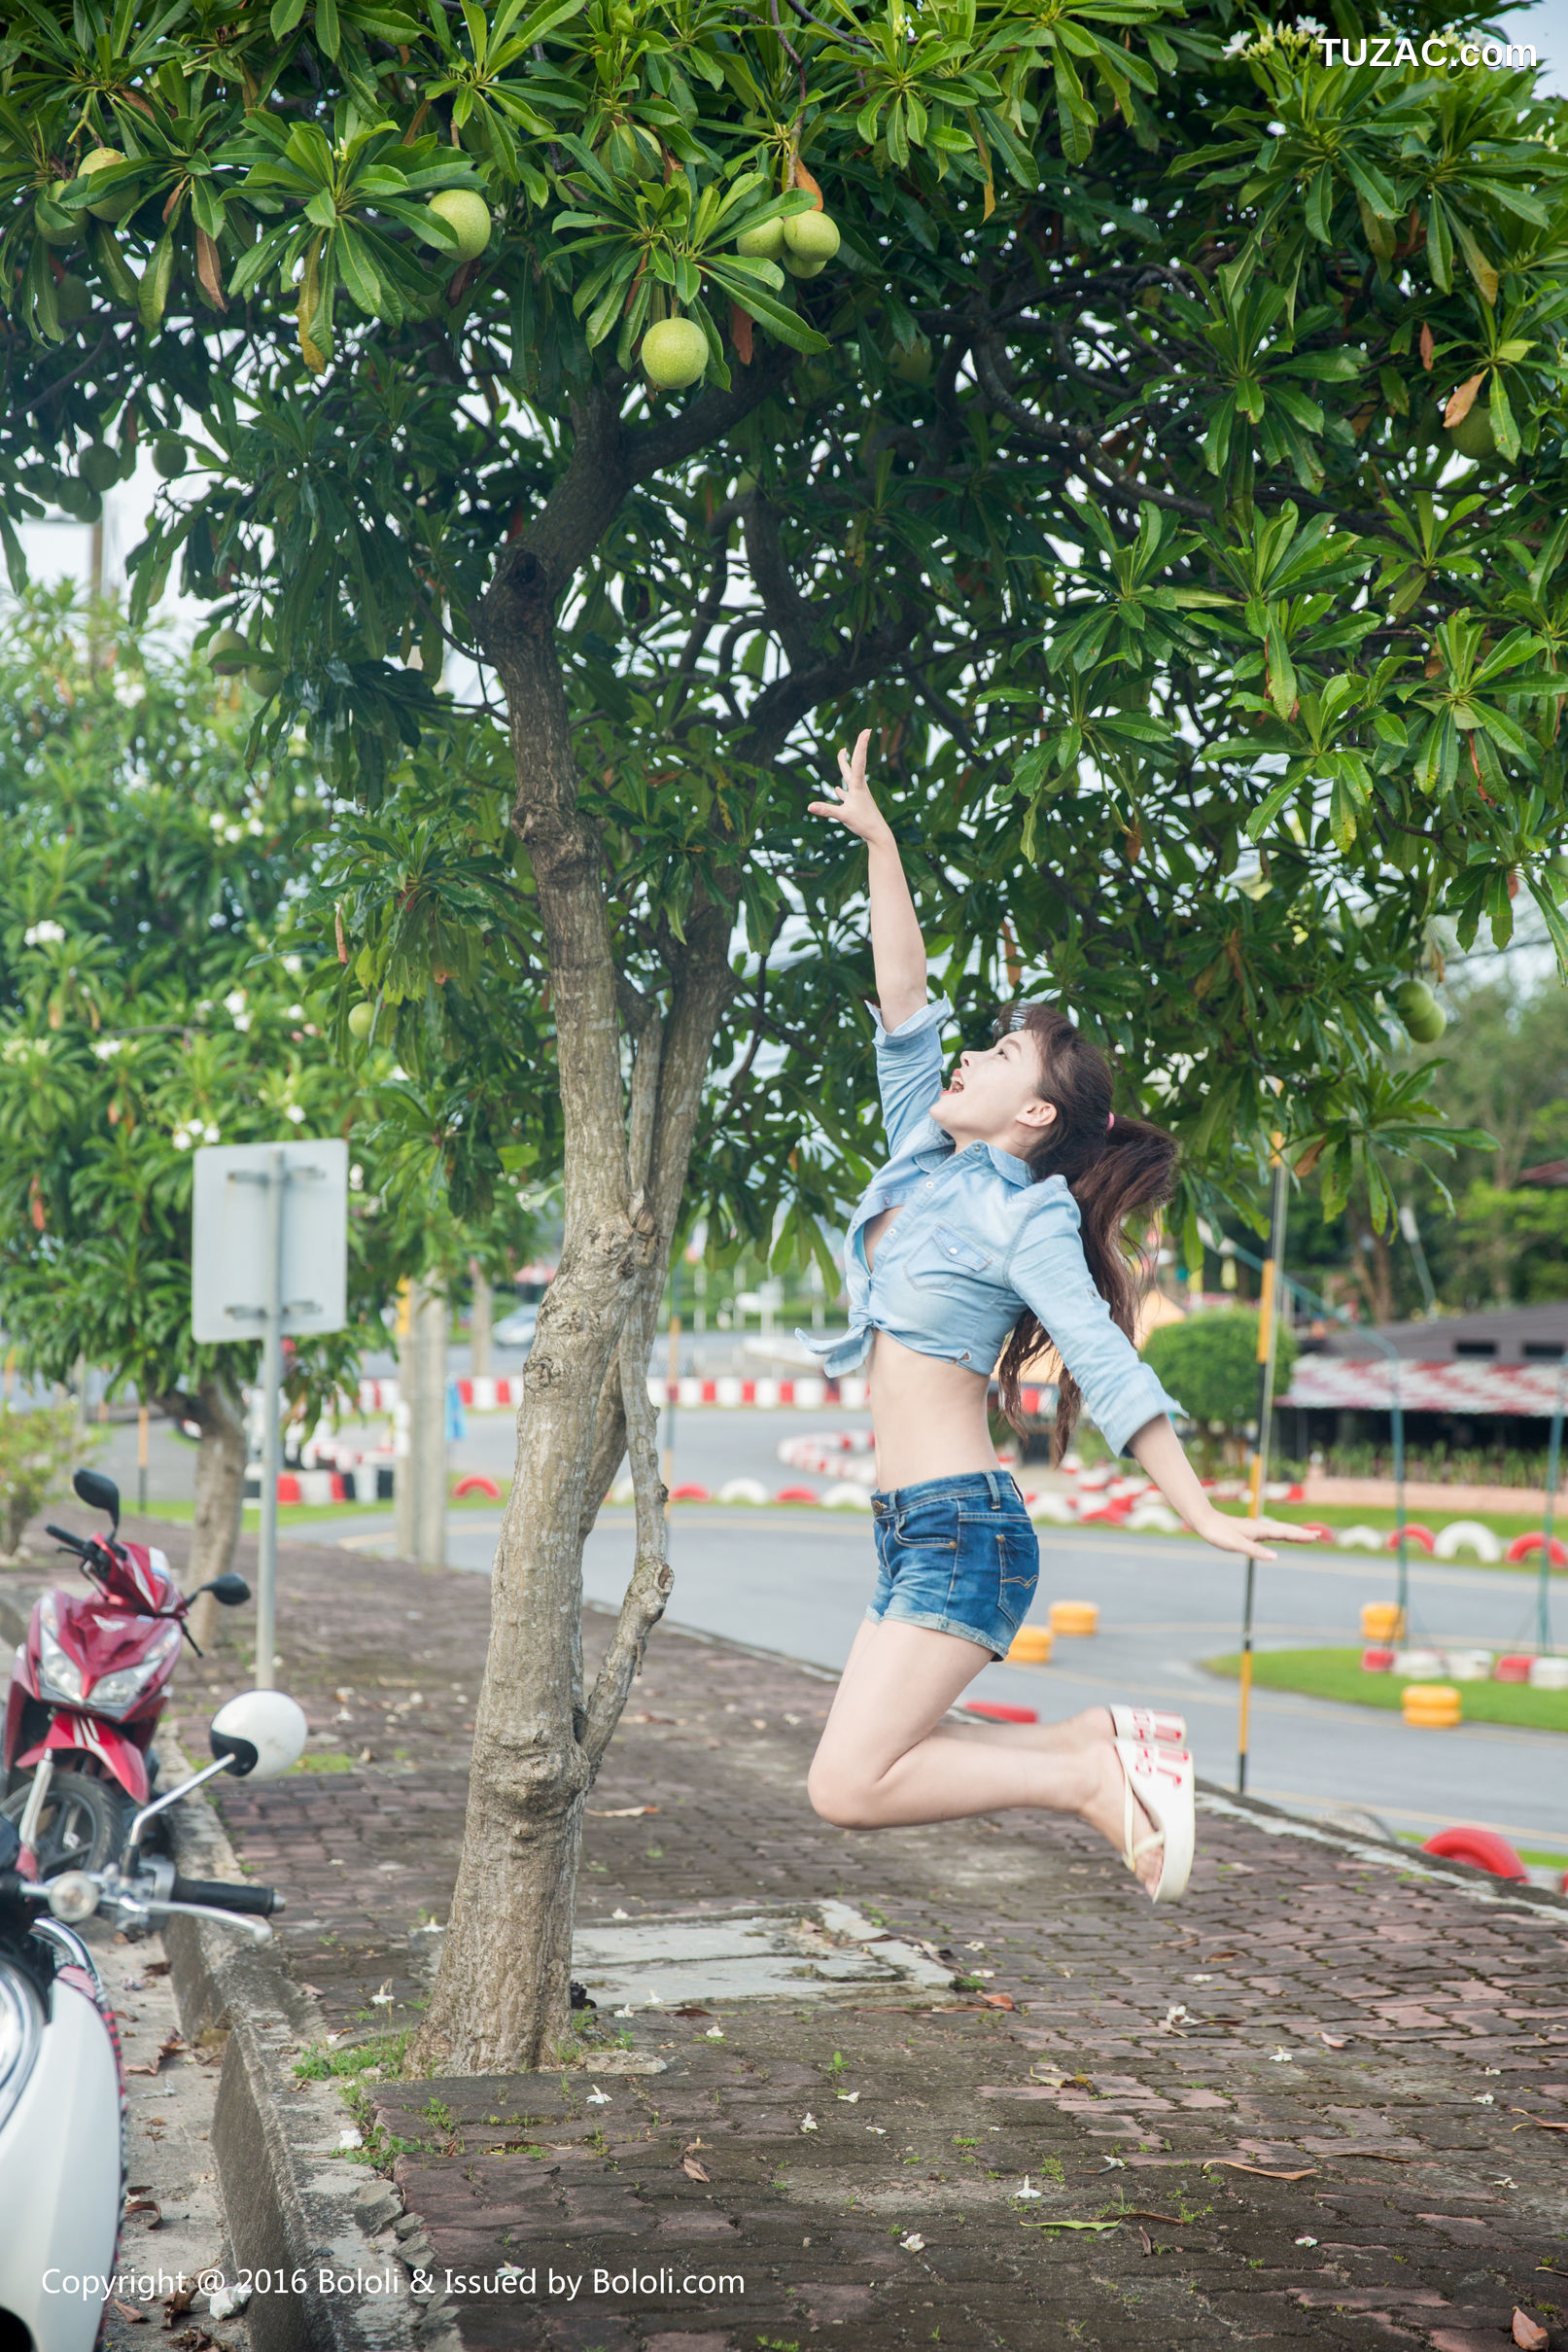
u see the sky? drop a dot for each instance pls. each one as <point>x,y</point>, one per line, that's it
<point>1546,27</point>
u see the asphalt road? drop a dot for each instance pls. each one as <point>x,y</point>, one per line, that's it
<point>797,1583</point>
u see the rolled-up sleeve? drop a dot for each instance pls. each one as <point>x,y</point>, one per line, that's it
<point>909,1067</point>
<point>1049,1273</point>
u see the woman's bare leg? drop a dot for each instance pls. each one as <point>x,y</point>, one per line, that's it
<point>882,1762</point>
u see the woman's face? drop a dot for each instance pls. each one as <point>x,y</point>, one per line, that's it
<point>994,1097</point>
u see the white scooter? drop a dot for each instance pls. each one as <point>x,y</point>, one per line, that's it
<point>62,2092</point>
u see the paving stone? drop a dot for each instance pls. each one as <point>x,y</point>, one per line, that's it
<point>1428,1985</point>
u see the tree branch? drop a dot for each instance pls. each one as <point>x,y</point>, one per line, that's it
<point>1119,489</point>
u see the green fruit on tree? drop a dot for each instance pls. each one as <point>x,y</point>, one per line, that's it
<point>674,354</point>
<point>764,244</point>
<point>227,652</point>
<point>57,226</point>
<point>168,457</point>
<point>811,236</point>
<point>262,679</point>
<point>911,362</point>
<point>468,216</point>
<point>361,1020</point>
<point>801,265</point>
<point>99,467</point>
<point>1473,436</point>
<point>72,301</point>
<point>1417,1007</point>
<point>121,202</point>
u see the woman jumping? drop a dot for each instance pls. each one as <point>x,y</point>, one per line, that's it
<point>1002,1209</point>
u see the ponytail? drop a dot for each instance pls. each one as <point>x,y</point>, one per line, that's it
<point>1116,1167</point>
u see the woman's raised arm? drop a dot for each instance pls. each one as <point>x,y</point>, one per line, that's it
<point>897,949</point>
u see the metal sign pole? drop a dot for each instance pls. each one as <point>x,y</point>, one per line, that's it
<point>266,1563</point>
<point>1272,1290</point>
<point>1542,1609</point>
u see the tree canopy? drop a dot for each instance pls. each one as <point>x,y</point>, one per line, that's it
<point>1104,466</point>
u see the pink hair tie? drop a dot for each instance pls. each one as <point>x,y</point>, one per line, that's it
<point>1110,1120</point>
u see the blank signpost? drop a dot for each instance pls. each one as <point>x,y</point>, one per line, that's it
<point>269,1256</point>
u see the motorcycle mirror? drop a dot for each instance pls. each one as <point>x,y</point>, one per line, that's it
<point>98,1493</point>
<point>230,1590</point>
<point>260,1734</point>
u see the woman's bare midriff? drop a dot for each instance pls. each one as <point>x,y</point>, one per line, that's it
<point>928,1416</point>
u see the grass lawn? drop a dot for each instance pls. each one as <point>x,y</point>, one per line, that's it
<point>1338,1675</point>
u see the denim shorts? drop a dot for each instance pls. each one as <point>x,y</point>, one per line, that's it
<point>959,1555</point>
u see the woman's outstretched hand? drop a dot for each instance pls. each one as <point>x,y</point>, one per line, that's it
<point>856,809</point>
<point>1251,1537</point>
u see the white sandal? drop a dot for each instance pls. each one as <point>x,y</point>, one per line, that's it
<point>1161,1780</point>
<point>1147,1725</point>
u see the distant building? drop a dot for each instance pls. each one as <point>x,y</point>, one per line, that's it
<point>1464,1380</point>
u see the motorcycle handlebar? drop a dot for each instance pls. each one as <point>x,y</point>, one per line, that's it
<point>220,1894</point>
<point>72,1543</point>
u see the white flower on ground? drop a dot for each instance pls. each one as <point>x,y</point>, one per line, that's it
<point>627,2012</point>
<point>715,2033</point>
<point>598,2097</point>
<point>1306,2242</point>
<point>914,2243</point>
<point>42,935</point>
<point>1027,2191</point>
<point>849,2097</point>
<point>808,2122</point>
<point>1281,2057</point>
<point>349,2137</point>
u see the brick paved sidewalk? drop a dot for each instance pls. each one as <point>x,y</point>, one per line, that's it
<point>1396,2040</point>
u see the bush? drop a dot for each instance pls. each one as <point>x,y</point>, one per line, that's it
<point>35,1449</point>
<point>1209,1363</point>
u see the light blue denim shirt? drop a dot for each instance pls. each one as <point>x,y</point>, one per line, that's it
<point>976,1244</point>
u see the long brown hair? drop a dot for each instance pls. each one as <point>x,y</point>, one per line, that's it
<point>1115,1169</point>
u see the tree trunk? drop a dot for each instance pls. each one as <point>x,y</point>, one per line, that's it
<point>219,1495</point>
<point>480,1321</point>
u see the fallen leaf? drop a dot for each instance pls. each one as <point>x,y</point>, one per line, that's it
<point>914,2243</point>
<point>692,2009</point>
<point>1542,2123</point>
<point>177,2305</point>
<point>1528,2333</point>
<point>694,2170</point>
<point>130,2311</point>
<point>146,2204</point>
<point>174,2043</point>
<point>157,1967</point>
<point>624,1812</point>
<point>1141,2213</point>
<point>998,2000</point>
<point>1148,2242</point>
<point>141,2070</point>
<point>1426,348</point>
<point>1334,2041</point>
<point>1233,2164</point>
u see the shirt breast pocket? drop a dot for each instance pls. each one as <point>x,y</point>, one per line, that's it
<point>945,1258</point>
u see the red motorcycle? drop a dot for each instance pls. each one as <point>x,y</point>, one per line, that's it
<point>87,1691</point>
